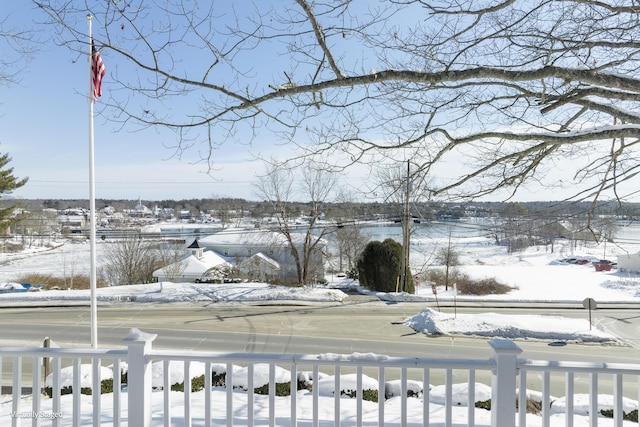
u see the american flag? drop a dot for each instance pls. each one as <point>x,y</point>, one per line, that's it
<point>98,71</point>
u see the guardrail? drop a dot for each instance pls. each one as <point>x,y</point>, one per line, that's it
<point>303,390</point>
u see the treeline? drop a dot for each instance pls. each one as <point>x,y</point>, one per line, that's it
<point>367,210</point>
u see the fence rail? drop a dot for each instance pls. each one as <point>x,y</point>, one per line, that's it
<point>139,386</point>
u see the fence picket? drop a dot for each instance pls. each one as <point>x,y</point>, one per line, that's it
<point>593,400</point>
<point>618,410</point>
<point>207,394</point>
<point>294,394</point>
<point>250,393</point>
<point>166,391</point>
<point>569,393</point>
<point>272,395</point>
<point>316,395</point>
<point>359,396</point>
<point>336,395</point>
<point>381,395</point>
<point>96,390</point>
<point>16,389</point>
<point>140,356</point>
<point>403,393</point>
<point>55,390</point>
<point>426,377</point>
<point>36,389</point>
<point>117,392</point>
<point>522,399</point>
<point>546,399</point>
<point>471,397</point>
<point>187,393</point>
<point>229,384</point>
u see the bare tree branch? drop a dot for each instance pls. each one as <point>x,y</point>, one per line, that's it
<point>507,87</point>
<point>18,47</point>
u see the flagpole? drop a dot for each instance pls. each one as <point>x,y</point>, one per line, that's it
<point>92,202</point>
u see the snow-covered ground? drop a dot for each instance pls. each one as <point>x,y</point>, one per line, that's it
<point>535,275</point>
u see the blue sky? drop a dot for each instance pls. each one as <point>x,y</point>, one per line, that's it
<point>44,122</point>
<point>44,128</point>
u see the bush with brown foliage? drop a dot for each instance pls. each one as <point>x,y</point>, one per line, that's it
<point>467,285</point>
<point>77,281</point>
<point>488,286</point>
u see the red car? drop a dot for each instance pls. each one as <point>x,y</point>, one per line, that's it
<point>600,266</point>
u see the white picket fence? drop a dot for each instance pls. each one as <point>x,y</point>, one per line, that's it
<point>509,376</point>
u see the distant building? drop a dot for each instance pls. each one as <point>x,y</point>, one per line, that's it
<point>259,268</point>
<point>629,262</point>
<point>199,265</point>
<point>264,253</point>
<point>141,211</point>
<point>73,220</point>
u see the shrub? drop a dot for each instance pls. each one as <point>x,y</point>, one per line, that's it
<point>218,380</point>
<point>282,389</point>
<point>413,393</point>
<point>368,394</point>
<point>379,266</point>
<point>484,404</point>
<point>197,384</point>
<point>533,406</point>
<point>12,247</point>
<point>517,244</point>
<point>106,386</point>
<point>78,281</point>
<point>468,286</point>
<point>627,416</point>
<point>304,385</point>
<point>483,287</point>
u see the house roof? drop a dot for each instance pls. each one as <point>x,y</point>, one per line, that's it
<point>261,258</point>
<point>255,238</point>
<point>195,245</point>
<point>193,266</point>
<point>240,237</point>
<point>210,259</point>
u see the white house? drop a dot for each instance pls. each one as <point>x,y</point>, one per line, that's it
<point>141,211</point>
<point>72,223</point>
<point>200,265</point>
<point>259,267</point>
<point>629,262</point>
<point>241,245</point>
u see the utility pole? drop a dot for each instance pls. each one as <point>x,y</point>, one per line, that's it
<point>404,279</point>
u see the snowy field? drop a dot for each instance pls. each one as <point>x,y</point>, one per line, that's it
<point>535,275</point>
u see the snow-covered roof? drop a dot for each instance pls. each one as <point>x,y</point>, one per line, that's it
<point>195,245</point>
<point>210,259</point>
<point>260,257</point>
<point>243,237</point>
<point>193,266</point>
<point>141,208</point>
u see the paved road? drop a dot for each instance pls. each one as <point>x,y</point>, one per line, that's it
<point>362,326</point>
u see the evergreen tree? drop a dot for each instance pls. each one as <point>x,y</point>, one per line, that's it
<point>8,183</point>
<point>379,266</point>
